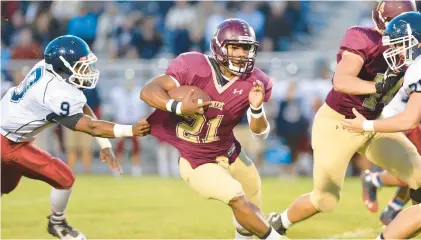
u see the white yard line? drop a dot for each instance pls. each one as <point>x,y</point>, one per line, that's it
<point>359,232</point>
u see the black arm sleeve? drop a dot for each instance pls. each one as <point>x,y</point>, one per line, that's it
<point>67,121</point>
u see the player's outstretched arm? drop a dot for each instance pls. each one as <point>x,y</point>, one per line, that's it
<point>406,120</point>
<point>99,128</point>
<point>345,79</point>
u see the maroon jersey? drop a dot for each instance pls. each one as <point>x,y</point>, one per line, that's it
<point>203,139</point>
<point>367,43</point>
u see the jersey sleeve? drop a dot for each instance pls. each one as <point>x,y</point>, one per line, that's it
<point>179,70</point>
<point>64,105</point>
<point>412,78</point>
<point>267,83</point>
<point>268,90</point>
<point>354,41</point>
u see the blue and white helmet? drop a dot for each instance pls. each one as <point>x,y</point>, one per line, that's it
<point>70,58</point>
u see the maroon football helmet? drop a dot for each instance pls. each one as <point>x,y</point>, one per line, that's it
<point>385,11</point>
<point>236,32</point>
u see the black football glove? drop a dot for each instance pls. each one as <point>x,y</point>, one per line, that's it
<point>389,81</point>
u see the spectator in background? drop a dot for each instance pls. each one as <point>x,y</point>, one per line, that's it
<point>291,125</point>
<point>126,38</point>
<point>214,19</point>
<point>26,48</point>
<point>167,159</point>
<point>65,10</point>
<point>127,110</point>
<point>254,17</point>
<point>46,28</point>
<point>110,19</point>
<point>84,25</point>
<point>150,42</point>
<point>278,37</point>
<point>11,27</point>
<point>179,22</point>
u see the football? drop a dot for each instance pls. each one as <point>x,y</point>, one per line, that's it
<point>179,93</point>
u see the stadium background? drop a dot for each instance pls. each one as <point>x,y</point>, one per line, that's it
<point>136,41</point>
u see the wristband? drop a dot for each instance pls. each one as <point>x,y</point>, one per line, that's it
<point>103,142</point>
<point>368,125</point>
<point>123,130</point>
<point>174,106</point>
<point>256,112</point>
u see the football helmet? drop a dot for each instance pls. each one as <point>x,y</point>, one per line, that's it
<point>235,32</point>
<point>385,11</point>
<point>70,58</point>
<point>403,35</point>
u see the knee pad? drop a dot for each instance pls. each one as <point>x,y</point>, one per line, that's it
<point>66,178</point>
<point>324,201</point>
<point>415,194</point>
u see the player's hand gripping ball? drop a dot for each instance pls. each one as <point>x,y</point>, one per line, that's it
<point>194,100</point>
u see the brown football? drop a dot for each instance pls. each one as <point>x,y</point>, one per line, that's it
<point>179,93</point>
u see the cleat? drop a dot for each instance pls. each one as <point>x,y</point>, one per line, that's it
<point>369,192</point>
<point>274,220</point>
<point>388,215</point>
<point>62,230</point>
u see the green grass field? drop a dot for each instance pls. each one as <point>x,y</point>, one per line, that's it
<point>151,207</point>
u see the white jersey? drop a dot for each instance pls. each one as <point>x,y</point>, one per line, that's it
<point>411,83</point>
<point>30,107</point>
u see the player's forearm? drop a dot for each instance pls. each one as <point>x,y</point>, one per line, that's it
<point>398,123</point>
<point>353,85</point>
<point>406,120</point>
<point>258,125</point>
<point>103,129</point>
<point>102,142</point>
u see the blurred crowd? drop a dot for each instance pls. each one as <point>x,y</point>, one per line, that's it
<point>131,29</point>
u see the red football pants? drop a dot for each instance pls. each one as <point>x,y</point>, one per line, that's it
<point>135,144</point>
<point>25,159</point>
<point>414,136</point>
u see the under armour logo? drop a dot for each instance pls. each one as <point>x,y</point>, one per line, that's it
<point>239,91</point>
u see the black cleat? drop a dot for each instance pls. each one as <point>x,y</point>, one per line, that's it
<point>62,230</point>
<point>275,221</point>
<point>388,215</point>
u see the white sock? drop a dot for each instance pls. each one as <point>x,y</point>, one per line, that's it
<point>274,235</point>
<point>379,237</point>
<point>238,236</point>
<point>285,221</point>
<point>375,180</point>
<point>59,199</point>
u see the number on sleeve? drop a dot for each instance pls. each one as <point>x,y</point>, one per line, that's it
<point>65,109</point>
